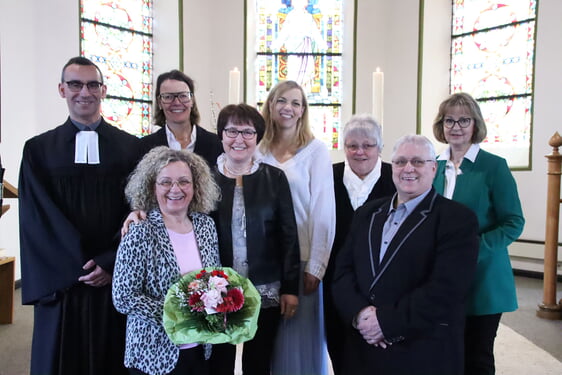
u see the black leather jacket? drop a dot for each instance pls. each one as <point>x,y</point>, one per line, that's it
<point>271,230</point>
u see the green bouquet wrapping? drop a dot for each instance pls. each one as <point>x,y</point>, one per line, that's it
<point>214,305</point>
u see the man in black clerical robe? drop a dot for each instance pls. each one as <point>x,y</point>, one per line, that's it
<point>71,208</point>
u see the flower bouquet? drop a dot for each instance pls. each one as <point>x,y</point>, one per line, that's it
<point>213,306</point>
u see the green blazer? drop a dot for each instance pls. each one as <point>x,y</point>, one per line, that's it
<point>488,188</point>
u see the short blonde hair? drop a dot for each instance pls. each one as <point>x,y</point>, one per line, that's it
<point>304,134</point>
<point>462,100</point>
<point>140,190</point>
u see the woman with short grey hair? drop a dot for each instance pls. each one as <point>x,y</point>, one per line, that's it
<point>361,178</point>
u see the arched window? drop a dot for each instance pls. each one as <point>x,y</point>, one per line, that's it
<point>117,36</point>
<point>301,40</point>
<point>492,57</point>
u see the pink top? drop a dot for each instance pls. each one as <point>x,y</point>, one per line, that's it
<point>187,256</point>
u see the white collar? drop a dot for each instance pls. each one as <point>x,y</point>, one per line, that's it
<point>470,154</point>
<point>221,160</point>
<point>86,149</point>
<point>359,189</point>
<point>173,142</point>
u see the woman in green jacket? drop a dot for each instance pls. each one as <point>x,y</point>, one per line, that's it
<point>483,182</point>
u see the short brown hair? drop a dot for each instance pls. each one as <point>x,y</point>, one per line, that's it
<point>240,114</point>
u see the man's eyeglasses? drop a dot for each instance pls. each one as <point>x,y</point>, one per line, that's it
<point>464,122</point>
<point>246,133</point>
<point>76,86</point>
<point>365,147</point>
<point>416,163</point>
<point>183,97</point>
<point>167,183</point>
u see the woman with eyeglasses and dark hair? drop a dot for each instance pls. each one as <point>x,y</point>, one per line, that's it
<point>257,234</point>
<point>177,115</point>
<point>483,182</point>
<point>362,177</point>
<point>177,190</point>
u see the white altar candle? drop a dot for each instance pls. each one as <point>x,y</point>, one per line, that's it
<point>234,86</point>
<point>378,89</point>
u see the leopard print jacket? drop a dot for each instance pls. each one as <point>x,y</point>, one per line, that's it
<point>145,268</point>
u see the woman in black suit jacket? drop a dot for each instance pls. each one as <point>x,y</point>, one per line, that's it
<point>257,235</point>
<point>363,177</point>
<point>177,114</point>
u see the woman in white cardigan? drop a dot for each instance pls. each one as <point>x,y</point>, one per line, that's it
<point>288,144</point>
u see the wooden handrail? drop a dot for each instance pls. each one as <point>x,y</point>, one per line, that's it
<point>549,308</point>
<point>10,191</point>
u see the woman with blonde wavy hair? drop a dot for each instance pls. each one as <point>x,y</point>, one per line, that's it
<point>177,191</point>
<point>288,144</point>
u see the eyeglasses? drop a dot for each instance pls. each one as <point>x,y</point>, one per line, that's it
<point>167,183</point>
<point>416,163</point>
<point>365,147</point>
<point>76,86</point>
<point>464,122</point>
<point>246,133</point>
<point>183,97</point>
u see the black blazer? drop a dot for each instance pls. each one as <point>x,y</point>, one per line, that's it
<point>207,145</point>
<point>344,211</point>
<point>418,289</point>
<point>271,230</point>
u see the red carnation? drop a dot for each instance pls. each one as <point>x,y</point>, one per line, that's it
<point>219,273</point>
<point>195,302</point>
<point>233,301</point>
<point>200,274</point>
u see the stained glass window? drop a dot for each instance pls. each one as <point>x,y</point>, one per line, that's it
<point>117,36</point>
<point>492,56</point>
<point>301,40</point>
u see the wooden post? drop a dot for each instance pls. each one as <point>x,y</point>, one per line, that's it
<point>6,290</point>
<point>549,308</point>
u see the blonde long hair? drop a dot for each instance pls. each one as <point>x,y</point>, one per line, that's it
<point>304,133</point>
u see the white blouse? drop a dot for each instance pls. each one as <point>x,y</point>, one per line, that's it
<point>451,172</point>
<point>310,178</point>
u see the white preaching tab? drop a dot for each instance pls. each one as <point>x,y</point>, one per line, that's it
<point>87,148</point>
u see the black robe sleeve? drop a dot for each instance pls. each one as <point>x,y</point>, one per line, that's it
<point>49,243</point>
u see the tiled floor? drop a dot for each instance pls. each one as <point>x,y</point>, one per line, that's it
<point>525,344</point>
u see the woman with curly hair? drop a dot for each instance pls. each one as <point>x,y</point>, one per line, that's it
<point>177,191</point>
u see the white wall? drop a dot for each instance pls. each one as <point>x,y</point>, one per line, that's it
<point>213,45</point>
<point>37,37</point>
<point>31,64</point>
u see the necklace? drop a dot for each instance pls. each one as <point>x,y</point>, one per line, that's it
<point>241,172</point>
<point>184,139</point>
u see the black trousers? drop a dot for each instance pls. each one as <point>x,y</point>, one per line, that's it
<point>479,336</point>
<point>190,362</point>
<point>256,357</point>
<point>335,329</point>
